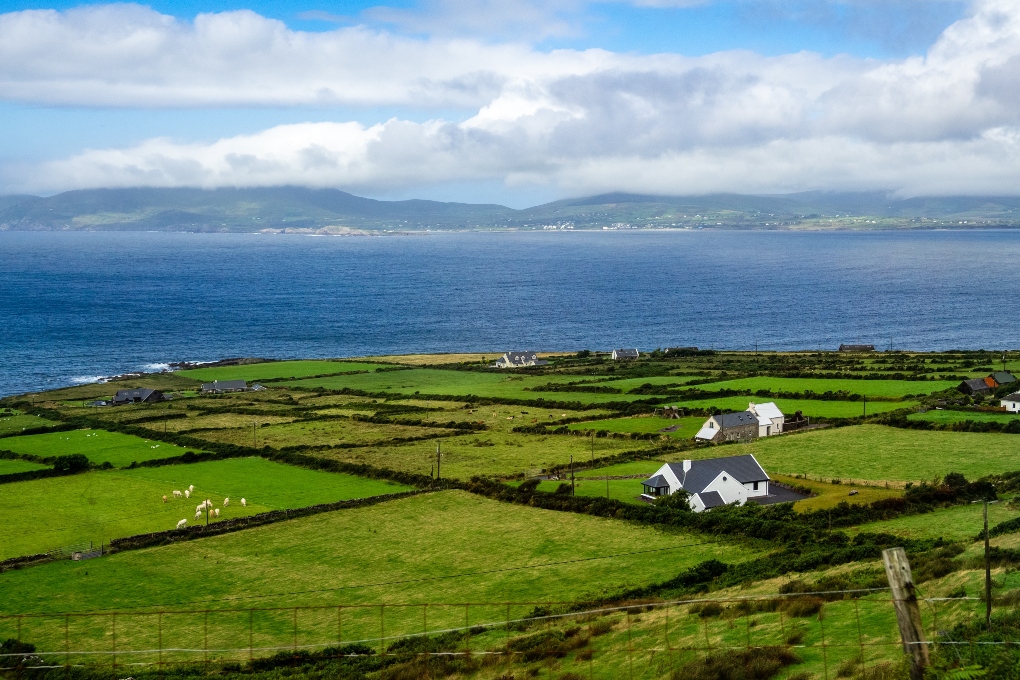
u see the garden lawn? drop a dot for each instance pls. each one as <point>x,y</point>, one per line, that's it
<point>277,369</point>
<point>956,523</point>
<point>99,446</point>
<point>879,453</point>
<point>446,547</point>
<point>11,465</point>
<point>97,506</point>
<point>870,388</point>
<point>946,417</point>
<point>462,384</point>
<point>687,427</point>
<point>487,454</point>
<point>21,421</point>
<point>811,407</point>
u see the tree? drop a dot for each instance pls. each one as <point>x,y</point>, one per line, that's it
<point>76,462</point>
<point>681,500</point>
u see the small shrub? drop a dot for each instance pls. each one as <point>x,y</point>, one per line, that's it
<point>795,637</point>
<point>803,606</point>
<point>584,655</point>
<point>601,627</point>
<point>748,664</point>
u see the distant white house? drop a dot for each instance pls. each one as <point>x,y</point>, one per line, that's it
<point>625,354</point>
<point>770,418</point>
<point>221,386</point>
<point>1011,402</point>
<point>519,360</point>
<point>711,482</point>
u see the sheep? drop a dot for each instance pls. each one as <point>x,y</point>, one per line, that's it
<point>177,494</point>
<point>226,502</point>
<point>191,488</point>
<point>244,503</point>
<point>183,523</point>
<point>200,507</point>
<point>187,493</point>
<point>198,515</point>
<point>164,498</point>
<point>216,512</point>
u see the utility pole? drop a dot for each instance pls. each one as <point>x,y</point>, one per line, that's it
<point>988,575</point>
<point>572,479</point>
<point>254,437</point>
<point>865,406</point>
<point>438,458</point>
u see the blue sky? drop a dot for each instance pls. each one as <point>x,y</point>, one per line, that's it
<point>515,101</point>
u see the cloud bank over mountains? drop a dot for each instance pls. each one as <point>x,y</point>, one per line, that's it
<point>579,121</point>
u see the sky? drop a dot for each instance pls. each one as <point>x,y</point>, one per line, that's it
<point>513,101</point>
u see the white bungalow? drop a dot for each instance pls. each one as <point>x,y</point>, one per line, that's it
<point>519,360</point>
<point>770,418</point>
<point>711,482</point>
<point>619,354</point>
<point>1011,402</point>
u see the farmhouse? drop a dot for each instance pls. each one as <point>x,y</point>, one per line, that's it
<point>619,354</point>
<point>856,348</point>
<point>728,427</point>
<point>519,360</point>
<point>221,386</point>
<point>1011,402</point>
<point>142,395</point>
<point>712,482</point>
<point>770,418</point>
<point>976,386</point>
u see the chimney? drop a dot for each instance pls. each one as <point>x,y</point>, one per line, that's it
<point>687,466</point>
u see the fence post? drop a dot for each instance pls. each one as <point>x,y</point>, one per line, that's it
<point>908,613</point>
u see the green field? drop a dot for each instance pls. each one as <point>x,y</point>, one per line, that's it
<point>448,547</point>
<point>666,381</point>
<point>688,427</point>
<point>462,384</point>
<point>636,467</point>
<point>810,407</point>
<point>876,452</point>
<point>945,417</point>
<point>957,523</point>
<point>19,422</point>
<point>626,490</point>
<point>99,446</point>
<point>870,388</point>
<point>277,369</point>
<point>11,465</point>
<point>98,506</point>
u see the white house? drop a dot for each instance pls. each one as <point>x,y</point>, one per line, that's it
<point>625,354</point>
<point>1011,402</point>
<point>518,360</point>
<point>711,482</point>
<point>221,386</point>
<point>770,418</point>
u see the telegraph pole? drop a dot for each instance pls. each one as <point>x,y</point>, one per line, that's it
<point>438,458</point>
<point>572,476</point>
<point>988,575</point>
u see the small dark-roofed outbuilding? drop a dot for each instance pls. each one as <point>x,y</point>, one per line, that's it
<point>221,386</point>
<point>974,386</point>
<point>141,395</point>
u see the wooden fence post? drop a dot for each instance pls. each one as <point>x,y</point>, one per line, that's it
<point>908,613</point>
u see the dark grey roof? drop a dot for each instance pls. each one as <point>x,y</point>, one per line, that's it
<point>975,384</point>
<point>141,393</point>
<point>226,385</point>
<point>744,469</point>
<point>518,358</point>
<point>738,418</point>
<point>1012,397</point>
<point>656,482</point>
<point>626,352</point>
<point>1003,377</point>
<point>711,499</point>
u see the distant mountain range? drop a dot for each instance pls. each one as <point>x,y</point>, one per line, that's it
<point>302,210</point>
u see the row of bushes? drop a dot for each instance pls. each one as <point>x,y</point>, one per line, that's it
<point>62,465</point>
<point>901,421</point>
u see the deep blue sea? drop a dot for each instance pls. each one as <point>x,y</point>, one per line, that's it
<point>75,306</point>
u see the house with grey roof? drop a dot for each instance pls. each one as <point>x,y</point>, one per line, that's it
<point>141,395</point>
<point>619,354</point>
<point>519,360</point>
<point>711,482</point>
<point>1011,402</point>
<point>221,386</point>
<point>728,427</point>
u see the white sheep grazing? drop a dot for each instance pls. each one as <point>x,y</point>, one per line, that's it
<point>216,512</point>
<point>183,523</point>
<point>164,498</point>
<point>187,493</point>
<point>226,502</point>
<point>200,507</point>
<point>177,494</point>
<point>191,488</point>
<point>244,503</point>
<point>198,515</point>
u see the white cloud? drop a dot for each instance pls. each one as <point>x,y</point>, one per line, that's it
<point>579,121</point>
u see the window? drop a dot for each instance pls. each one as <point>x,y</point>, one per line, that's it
<point>755,486</point>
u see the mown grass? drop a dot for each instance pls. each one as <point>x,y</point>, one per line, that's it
<point>99,446</point>
<point>448,547</point>
<point>946,417</point>
<point>462,384</point>
<point>98,506</point>
<point>810,407</point>
<point>870,388</point>
<point>879,453</point>
<point>277,369</point>
<point>10,466</point>
<point>486,454</point>
<point>688,427</point>
<point>21,421</point>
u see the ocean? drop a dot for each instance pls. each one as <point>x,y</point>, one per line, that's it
<point>80,305</point>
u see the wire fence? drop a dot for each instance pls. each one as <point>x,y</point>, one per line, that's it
<point>839,633</point>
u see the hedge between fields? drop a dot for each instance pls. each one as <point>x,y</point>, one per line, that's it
<point>901,421</point>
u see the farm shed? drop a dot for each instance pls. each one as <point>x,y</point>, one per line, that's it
<point>142,395</point>
<point>619,354</point>
<point>221,386</point>
<point>1011,402</point>
<point>519,360</point>
<point>711,482</point>
<point>727,427</point>
<point>975,386</point>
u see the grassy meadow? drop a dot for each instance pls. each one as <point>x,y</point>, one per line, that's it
<point>99,446</point>
<point>947,417</point>
<point>958,523</point>
<point>100,505</point>
<point>11,465</point>
<point>869,388</point>
<point>21,421</point>
<point>810,407</point>
<point>686,427</point>
<point>274,370</point>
